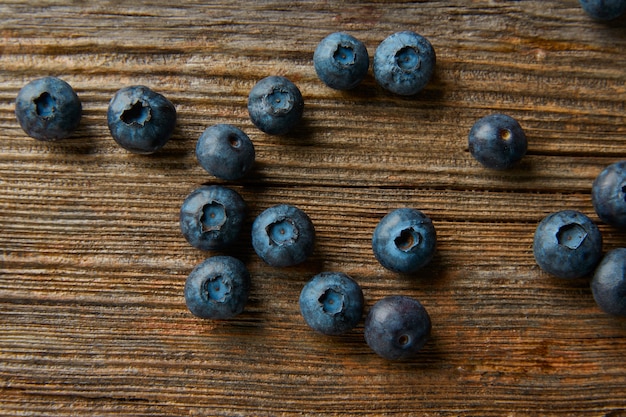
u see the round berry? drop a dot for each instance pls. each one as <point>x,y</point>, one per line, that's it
<point>217,288</point>
<point>608,194</point>
<point>604,9</point>
<point>497,141</point>
<point>211,217</point>
<point>283,235</point>
<point>225,152</point>
<point>567,244</point>
<point>331,303</point>
<point>48,109</point>
<point>275,105</point>
<point>397,327</point>
<point>341,61</point>
<point>404,63</point>
<point>608,284</point>
<point>141,120</point>
<point>404,240</point>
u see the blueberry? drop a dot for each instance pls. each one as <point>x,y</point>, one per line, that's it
<point>341,61</point>
<point>217,288</point>
<point>404,63</point>
<point>211,217</point>
<point>141,120</point>
<point>497,141</point>
<point>275,105</point>
<point>608,284</point>
<point>283,235</point>
<point>404,240</point>
<point>608,194</point>
<point>604,9</point>
<point>397,327</point>
<point>225,152</point>
<point>567,244</point>
<point>48,109</point>
<point>331,303</point>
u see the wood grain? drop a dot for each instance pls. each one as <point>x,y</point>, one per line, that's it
<point>92,263</point>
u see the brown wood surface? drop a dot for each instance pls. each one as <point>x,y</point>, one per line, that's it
<point>92,315</point>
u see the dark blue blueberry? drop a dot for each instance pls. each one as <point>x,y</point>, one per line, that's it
<point>397,327</point>
<point>225,152</point>
<point>404,63</point>
<point>404,240</point>
<point>341,61</point>
<point>331,303</point>
<point>275,105</point>
<point>141,120</point>
<point>217,288</point>
<point>608,194</point>
<point>497,141</point>
<point>211,217</point>
<point>608,284</point>
<point>604,9</point>
<point>48,109</point>
<point>283,235</point>
<point>567,244</point>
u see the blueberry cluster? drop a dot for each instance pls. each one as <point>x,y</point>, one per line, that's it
<point>566,244</point>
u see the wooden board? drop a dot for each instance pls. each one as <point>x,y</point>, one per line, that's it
<point>92,262</point>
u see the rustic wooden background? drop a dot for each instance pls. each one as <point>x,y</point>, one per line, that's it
<point>92,315</point>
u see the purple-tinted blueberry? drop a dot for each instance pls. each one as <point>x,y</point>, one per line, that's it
<point>397,327</point>
<point>497,141</point>
<point>567,244</point>
<point>48,109</point>
<point>404,240</point>
<point>141,120</point>
<point>331,303</point>
<point>404,63</point>
<point>225,151</point>
<point>283,235</point>
<point>608,284</point>
<point>608,194</point>
<point>211,217</point>
<point>604,9</point>
<point>218,288</point>
<point>341,61</point>
<point>275,105</point>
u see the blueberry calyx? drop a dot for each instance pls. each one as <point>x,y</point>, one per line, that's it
<point>45,105</point>
<point>137,113</point>
<point>571,235</point>
<point>279,101</point>
<point>332,301</point>
<point>216,289</point>
<point>213,216</point>
<point>282,232</point>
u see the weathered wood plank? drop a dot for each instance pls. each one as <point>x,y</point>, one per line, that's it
<point>92,263</point>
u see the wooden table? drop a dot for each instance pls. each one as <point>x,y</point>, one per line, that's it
<point>92,315</point>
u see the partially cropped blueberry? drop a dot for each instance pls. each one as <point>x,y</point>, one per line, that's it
<point>404,240</point>
<point>604,9</point>
<point>283,235</point>
<point>211,217</point>
<point>341,61</point>
<point>141,120</point>
<point>275,105</point>
<point>404,63</point>
<point>48,109</point>
<point>397,327</point>
<point>497,141</point>
<point>608,284</point>
<point>567,244</point>
<point>218,288</point>
<point>608,194</point>
<point>225,151</point>
<point>331,303</point>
